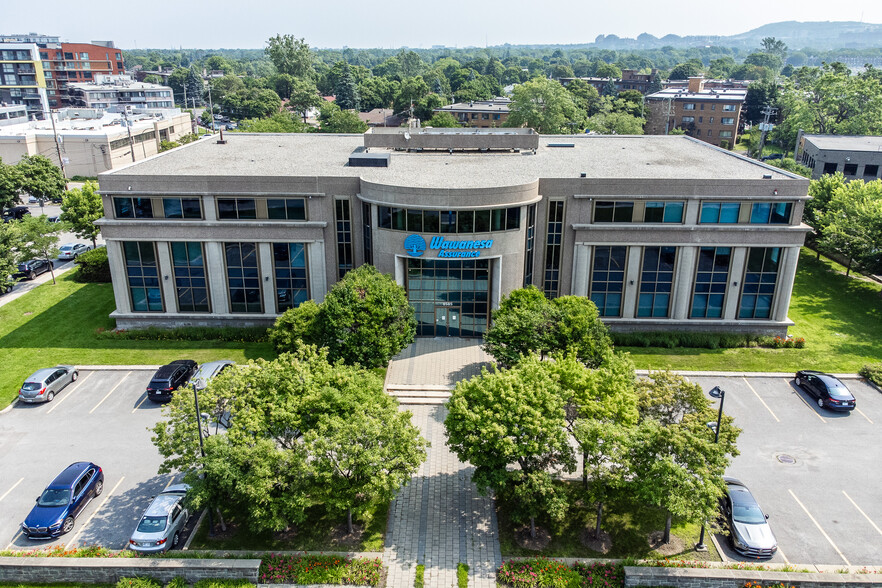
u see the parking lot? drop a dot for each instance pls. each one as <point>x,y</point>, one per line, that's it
<point>103,417</point>
<point>815,472</point>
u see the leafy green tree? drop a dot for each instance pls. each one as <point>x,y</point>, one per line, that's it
<point>791,165</point>
<point>80,208</point>
<point>852,223</point>
<point>607,70</point>
<point>684,71</point>
<point>768,61</point>
<point>655,84</point>
<point>759,95</point>
<point>587,97</point>
<point>40,177</point>
<point>609,88</point>
<point>195,87</point>
<point>410,92</point>
<point>511,418</point>
<point>304,96</point>
<point>667,397</point>
<point>290,56</point>
<point>774,46</point>
<point>10,243</point>
<point>221,87</point>
<point>252,103</point>
<point>346,92</point>
<point>38,239</point>
<point>442,120</point>
<point>283,84</point>
<point>721,68</point>
<point>335,120</point>
<point>377,92</point>
<point>545,106</point>
<point>280,122</point>
<point>615,123</point>
<point>10,185</point>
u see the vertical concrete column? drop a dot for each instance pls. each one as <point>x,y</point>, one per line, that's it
<point>117,263</point>
<point>684,277</point>
<point>267,279</point>
<point>632,281</point>
<point>691,212</point>
<point>166,277</point>
<point>581,269</point>
<point>318,278</point>
<point>736,283</point>
<point>496,285</point>
<point>786,276</point>
<point>209,208</point>
<point>217,277</point>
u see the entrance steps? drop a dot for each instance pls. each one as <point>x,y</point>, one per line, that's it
<point>419,393</point>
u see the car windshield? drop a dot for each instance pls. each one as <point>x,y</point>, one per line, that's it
<point>31,386</point>
<point>749,515</point>
<point>54,497</point>
<point>23,267</point>
<point>839,391</point>
<point>67,247</point>
<point>152,524</point>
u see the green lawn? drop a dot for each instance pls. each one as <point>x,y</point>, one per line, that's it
<point>57,324</point>
<point>839,317</point>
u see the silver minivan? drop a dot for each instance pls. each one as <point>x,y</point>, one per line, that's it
<point>44,384</point>
<point>163,522</point>
<point>207,371</point>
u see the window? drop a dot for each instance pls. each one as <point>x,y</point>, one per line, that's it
<point>688,107</point>
<point>136,207</point>
<point>485,116</point>
<point>663,212</point>
<point>727,120</point>
<point>700,119</point>
<point>243,277</point>
<point>710,133</point>
<point>725,134</point>
<point>366,233</point>
<point>608,279</point>
<point>688,119</point>
<point>236,208</point>
<point>415,220</point>
<point>656,281</point>
<point>850,169</point>
<point>344,237</point>
<point>531,238</point>
<point>289,264</point>
<point>830,168</point>
<point>719,212</point>
<point>142,275</point>
<point>613,212</point>
<point>710,282</point>
<point>713,106</point>
<point>759,282</point>
<point>728,108</point>
<point>702,106</point>
<point>770,213</point>
<point>871,171</point>
<point>182,207</point>
<point>191,286</point>
<point>286,208</point>
<point>711,121</point>
<point>84,56</point>
<point>553,246</point>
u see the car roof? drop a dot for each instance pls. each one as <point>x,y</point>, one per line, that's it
<point>211,367</point>
<point>69,245</point>
<point>162,504</point>
<point>70,474</point>
<point>167,370</point>
<point>43,373</point>
<point>740,495</point>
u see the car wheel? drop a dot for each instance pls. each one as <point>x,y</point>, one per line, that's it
<point>175,540</point>
<point>50,396</point>
<point>99,487</point>
<point>74,377</point>
<point>798,381</point>
<point>32,274</point>
<point>820,403</point>
<point>68,525</point>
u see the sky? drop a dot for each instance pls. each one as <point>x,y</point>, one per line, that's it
<point>247,24</point>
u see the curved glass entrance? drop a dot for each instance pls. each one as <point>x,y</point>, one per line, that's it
<point>450,298</point>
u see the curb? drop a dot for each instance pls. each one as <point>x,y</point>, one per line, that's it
<point>198,524</point>
<point>11,404</point>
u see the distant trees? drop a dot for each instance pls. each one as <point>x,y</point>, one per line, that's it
<point>545,106</point>
<point>10,185</point>
<point>346,91</point>
<point>333,119</point>
<point>252,103</point>
<point>41,178</point>
<point>290,55</point>
<point>686,70</point>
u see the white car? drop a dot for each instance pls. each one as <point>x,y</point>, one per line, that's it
<point>72,250</point>
<point>207,371</point>
<point>161,524</point>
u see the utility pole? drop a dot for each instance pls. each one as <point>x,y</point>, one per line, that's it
<point>211,107</point>
<point>185,95</point>
<point>765,127</point>
<point>57,150</point>
<point>129,130</point>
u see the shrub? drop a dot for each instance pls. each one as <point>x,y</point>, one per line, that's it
<point>177,582</point>
<point>138,583</point>
<point>319,569</point>
<point>233,334</point>
<point>539,571</point>
<point>93,266</point>
<point>218,583</point>
<point>601,575</point>
<point>462,575</point>
<point>872,372</point>
<point>419,580</point>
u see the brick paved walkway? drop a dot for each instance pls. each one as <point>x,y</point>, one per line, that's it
<point>439,519</point>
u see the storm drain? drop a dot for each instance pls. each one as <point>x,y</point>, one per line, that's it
<point>788,459</point>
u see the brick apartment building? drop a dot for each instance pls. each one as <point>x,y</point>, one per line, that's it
<point>479,113</point>
<point>630,80</point>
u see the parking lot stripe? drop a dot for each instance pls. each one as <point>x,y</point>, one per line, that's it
<point>111,392</point>
<point>137,406</point>
<point>863,415</point>
<point>14,539</point>
<point>5,494</point>
<point>814,412</point>
<point>66,396</point>
<point>107,496</point>
<point>869,520</point>
<point>784,557</point>
<point>777,420</point>
<point>827,537</point>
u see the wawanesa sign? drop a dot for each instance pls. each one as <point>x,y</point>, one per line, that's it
<point>416,245</point>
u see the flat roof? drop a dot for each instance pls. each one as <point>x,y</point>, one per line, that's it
<point>721,94</point>
<point>846,142</point>
<point>326,155</point>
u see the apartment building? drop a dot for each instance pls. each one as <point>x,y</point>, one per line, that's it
<point>108,91</point>
<point>21,78</point>
<point>630,80</point>
<point>479,113</point>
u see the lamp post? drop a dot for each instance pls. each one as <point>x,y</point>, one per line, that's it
<point>715,392</point>
<point>202,446</point>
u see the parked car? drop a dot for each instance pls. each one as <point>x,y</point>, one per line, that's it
<point>72,250</point>
<point>209,370</point>
<point>33,200</point>
<point>749,530</point>
<point>15,213</point>
<point>32,268</point>
<point>63,500</point>
<point>169,378</point>
<point>54,219</point>
<point>827,390</point>
<point>44,384</point>
<point>161,524</point>
<point>773,156</point>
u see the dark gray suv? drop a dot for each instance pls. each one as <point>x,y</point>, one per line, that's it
<point>169,378</point>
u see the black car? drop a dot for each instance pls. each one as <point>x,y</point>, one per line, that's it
<point>829,392</point>
<point>15,213</point>
<point>32,268</point>
<point>169,378</point>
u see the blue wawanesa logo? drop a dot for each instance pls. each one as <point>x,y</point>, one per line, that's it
<point>415,245</point>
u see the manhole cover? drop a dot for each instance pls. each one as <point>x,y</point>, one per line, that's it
<point>784,458</point>
<point>28,314</point>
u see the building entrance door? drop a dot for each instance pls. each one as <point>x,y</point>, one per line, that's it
<point>446,321</point>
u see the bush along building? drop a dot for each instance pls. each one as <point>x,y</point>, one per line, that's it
<point>661,232</point>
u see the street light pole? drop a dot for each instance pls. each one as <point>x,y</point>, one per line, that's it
<point>202,451</point>
<point>716,392</point>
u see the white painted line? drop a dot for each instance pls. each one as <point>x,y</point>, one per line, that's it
<point>777,420</point>
<point>143,400</point>
<point>5,494</point>
<point>863,415</point>
<point>106,396</point>
<point>91,516</point>
<point>869,520</point>
<point>781,553</point>
<point>14,539</point>
<point>58,401</point>
<point>826,536</point>
<point>799,395</point>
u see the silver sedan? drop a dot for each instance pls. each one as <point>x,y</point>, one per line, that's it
<point>44,384</point>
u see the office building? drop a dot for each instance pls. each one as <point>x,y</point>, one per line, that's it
<point>857,157</point>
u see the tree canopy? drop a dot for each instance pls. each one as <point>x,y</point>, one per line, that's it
<point>80,208</point>
<point>290,55</point>
<point>40,177</point>
<point>545,106</point>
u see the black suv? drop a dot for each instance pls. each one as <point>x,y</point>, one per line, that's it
<point>170,377</point>
<point>32,268</point>
<point>15,213</point>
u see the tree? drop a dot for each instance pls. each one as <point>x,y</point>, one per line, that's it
<point>655,84</point>
<point>586,97</point>
<point>304,96</point>
<point>345,91</point>
<point>684,71</point>
<point>852,224</point>
<point>252,103</point>
<point>770,61</point>
<point>80,208</point>
<point>290,56</point>
<point>40,177</point>
<point>10,243</point>
<point>775,47</point>
<point>39,239</point>
<point>511,418</point>
<point>335,120</point>
<point>280,122</point>
<point>221,87</point>
<point>442,120</point>
<point>10,185</point>
<point>195,87</point>
<point>615,123</point>
<point>609,88</point>
<point>365,319</point>
<point>545,106</point>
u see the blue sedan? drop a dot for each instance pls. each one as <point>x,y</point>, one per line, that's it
<point>63,500</point>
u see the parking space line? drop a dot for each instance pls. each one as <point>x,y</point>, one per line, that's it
<point>827,537</point>
<point>781,553</point>
<point>14,539</point>
<point>869,520</point>
<point>777,420</point>
<point>66,396</point>
<point>94,512</point>
<point>812,408</point>
<point>5,494</point>
<point>106,396</point>
<point>863,415</point>
<point>137,406</point>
